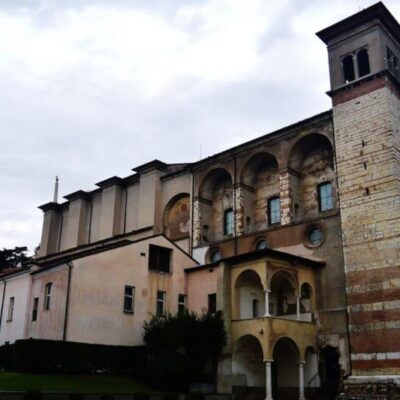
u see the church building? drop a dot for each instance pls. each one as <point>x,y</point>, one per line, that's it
<point>294,236</point>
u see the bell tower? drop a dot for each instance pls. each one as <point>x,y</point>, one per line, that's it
<point>364,53</point>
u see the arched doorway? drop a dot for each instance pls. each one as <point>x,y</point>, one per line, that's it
<point>329,372</point>
<point>311,374</point>
<point>249,296</point>
<point>248,368</point>
<point>285,370</point>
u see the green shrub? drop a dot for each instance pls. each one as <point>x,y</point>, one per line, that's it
<point>71,357</point>
<point>181,346</point>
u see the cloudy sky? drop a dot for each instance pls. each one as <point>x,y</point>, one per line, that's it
<point>93,88</point>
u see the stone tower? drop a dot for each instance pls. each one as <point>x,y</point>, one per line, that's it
<point>364,53</point>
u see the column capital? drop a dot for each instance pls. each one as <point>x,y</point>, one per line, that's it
<point>267,290</point>
<point>302,362</point>
<point>269,361</point>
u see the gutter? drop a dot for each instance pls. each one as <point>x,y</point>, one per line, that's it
<point>67,301</point>
<point>2,302</point>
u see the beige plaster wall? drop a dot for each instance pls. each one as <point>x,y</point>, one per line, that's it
<point>200,284</point>
<point>17,287</point>
<point>97,292</point>
<point>49,323</point>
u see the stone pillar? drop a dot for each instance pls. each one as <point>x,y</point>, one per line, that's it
<point>285,196</point>
<point>77,214</point>
<point>196,223</point>
<point>111,207</point>
<point>239,210</point>
<point>51,229</point>
<point>355,65</point>
<point>268,380</point>
<point>301,380</point>
<point>266,293</point>
<point>298,298</point>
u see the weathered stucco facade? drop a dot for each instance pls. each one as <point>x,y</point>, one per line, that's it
<point>295,236</point>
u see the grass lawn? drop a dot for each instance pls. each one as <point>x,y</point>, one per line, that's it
<point>89,383</point>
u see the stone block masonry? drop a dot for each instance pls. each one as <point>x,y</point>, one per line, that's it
<point>367,147</point>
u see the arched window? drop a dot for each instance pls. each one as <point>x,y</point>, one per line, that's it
<point>348,69</point>
<point>363,62</point>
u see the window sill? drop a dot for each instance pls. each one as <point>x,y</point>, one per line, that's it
<point>130,312</point>
<point>9,320</point>
<point>323,212</point>
<point>156,271</point>
<point>275,224</point>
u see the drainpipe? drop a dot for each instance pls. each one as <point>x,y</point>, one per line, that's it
<point>191,215</point>
<point>2,302</point>
<point>234,200</point>
<point>67,302</point>
<point>61,231</point>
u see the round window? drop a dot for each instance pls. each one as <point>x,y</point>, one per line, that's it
<point>215,256</point>
<point>315,236</point>
<point>261,244</point>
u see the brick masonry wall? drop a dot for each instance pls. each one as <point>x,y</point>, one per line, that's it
<point>368,164</point>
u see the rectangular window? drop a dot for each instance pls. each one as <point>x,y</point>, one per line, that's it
<point>212,303</point>
<point>181,303</point>
<point>129,295</point>
<point>10,309</point>
<point>393,63</point>
<point>47,296</point>
<point>274,210</point>
<point>161,295</point>
<point>35,308</point>
<point>159,258</point>
<point>228,222</point>
<point>325,197</point>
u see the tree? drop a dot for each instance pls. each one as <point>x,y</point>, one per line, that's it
<point>184,347</point>
<point>13,258</point>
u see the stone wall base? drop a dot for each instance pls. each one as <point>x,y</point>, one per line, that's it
<point>371,388</point>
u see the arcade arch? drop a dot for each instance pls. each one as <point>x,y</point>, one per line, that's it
<point>310,166</point>
<point>216,205</point>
